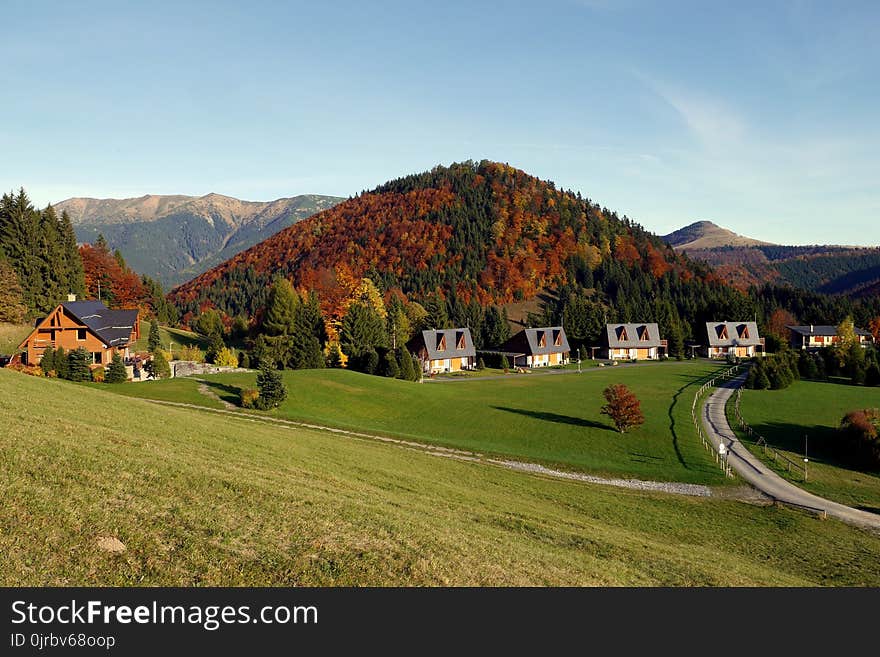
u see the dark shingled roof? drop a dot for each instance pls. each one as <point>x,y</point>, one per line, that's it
<point>528,341</point>
<point>630,335</point>
<point>822,329</point>
<point>113,327</point>
<point>432,339</point>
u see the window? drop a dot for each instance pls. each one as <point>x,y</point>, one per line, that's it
<point>441,343</point>
<point>644,334</point>
<point>557,340</point>
<point>623,337</point>
<point>722,332</point>
<point>461,342</point>
<point>542,338</point>
<point>80,335</point>
<point>97,357</point>
<point>744,332</point>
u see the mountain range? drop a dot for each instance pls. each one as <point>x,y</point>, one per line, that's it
<point>830,269</point>
<point>174,238</point>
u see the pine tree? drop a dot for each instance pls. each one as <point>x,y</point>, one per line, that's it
<point>47,362</point>
<point>280,321</point>
<point>116,372</point>
<point>78,365</point>
<point>60,362</point>
<point>157,367</point>
<point>437,317</point>
<point>406,365</point>
<point>154,341</point>
<point>271,387</point>
<point>215,347</point>
<point>416,369</point>
<point>362,329</point>
<point>390,366</point>
<point>505,364</point>
<point>76,281</point>
<point>12,307</point>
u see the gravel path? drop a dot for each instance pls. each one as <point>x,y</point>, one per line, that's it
<point>205,390</point>
<point>674,488</point>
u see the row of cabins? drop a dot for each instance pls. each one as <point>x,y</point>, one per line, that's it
<point>452,350</point>
<point>104,332</point>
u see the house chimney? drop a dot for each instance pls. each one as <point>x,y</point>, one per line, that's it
<point>811,329</point>
<point>71,297</point>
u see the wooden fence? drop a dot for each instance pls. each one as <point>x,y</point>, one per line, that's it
<point>761,442</point>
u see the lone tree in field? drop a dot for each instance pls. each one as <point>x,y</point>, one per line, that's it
<point>271,387</point>
<point>623,407</point>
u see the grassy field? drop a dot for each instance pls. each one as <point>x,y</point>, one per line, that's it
<point>553,419</point>
<point>168,335</point>
<point>814,409</point>
<point>11,336</point>
<point>199,499</point>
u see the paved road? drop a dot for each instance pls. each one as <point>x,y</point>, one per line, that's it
<point>751,469</point>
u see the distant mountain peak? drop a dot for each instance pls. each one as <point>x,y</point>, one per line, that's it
<point>708,235</point>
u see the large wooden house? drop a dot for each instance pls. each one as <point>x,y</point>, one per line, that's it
<point>537,347</point>
<point>90,324</point>
<point>820,335</point>
<point>445,350</point>
<point>739,339</point>
<point>639,341</point>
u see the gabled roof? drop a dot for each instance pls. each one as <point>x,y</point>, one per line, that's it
<point>112,327</point>
<point>639,335</point>
<point>528,341</point>
<point>732,334</point>
<point>432,339</point>
<point>822,329</point>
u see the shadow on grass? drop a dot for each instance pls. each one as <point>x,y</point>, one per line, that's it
<point>555,417</point>
<point>225,391</point>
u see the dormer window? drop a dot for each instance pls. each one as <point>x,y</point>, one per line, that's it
<point>461,341</point>
<point>744,332</point>
<point>542,339</point>
<point>441,342</point>
<point>722,332</point>
<point>622,336</point>
<point>643,334</point>
<point>557,340</point>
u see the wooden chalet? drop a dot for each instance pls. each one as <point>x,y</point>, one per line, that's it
<point>90,324</point>
<point>537,347</point>
<point>445,350</point>
<point>635,341</point>
<point>822,335</point>
<point>739,339</point>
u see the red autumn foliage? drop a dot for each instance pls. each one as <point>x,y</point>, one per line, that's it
<point>119,288</point>
<point>623,407</point>
<point>778,322</point>
<point>874,328</point>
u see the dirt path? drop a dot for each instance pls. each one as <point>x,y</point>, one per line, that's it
<point>675,488</point>
<point>205,390</point>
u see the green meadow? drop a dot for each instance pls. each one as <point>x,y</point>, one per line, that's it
<point>552,419</point>
<point>813,409</point>
<point>198,499</point>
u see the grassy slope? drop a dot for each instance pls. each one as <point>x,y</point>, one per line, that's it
<point>11,336</point>
<point>783,417</point>
<point>178,336</point>
<point>201,500</point>
<point>552,419</point>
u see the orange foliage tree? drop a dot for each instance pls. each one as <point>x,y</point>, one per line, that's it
<point>623,407</point>
<point>117,286</point>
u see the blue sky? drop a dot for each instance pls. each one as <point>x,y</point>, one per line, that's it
<point>762,117</point>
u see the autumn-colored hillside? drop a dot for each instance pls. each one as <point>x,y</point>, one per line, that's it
<point>486,232</point>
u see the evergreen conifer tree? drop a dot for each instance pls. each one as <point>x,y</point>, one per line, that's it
<point>271,387</point>
<point>60,362</point>
<point>154,341</point>
<point>78,365</point>
<point>47,362</point>
<point>116,370</point>
<point>158,367</point>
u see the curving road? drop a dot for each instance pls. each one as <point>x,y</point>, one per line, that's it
<point>751,469</point>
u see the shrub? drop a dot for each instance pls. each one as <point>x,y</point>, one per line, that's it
<point>481,364</point>
<point>248,397</point>
<point>98,375</point>
<point>505,364</point>
<point>244,361</point>
<point>226,358</point>
<point>191,353</point>
<point>30,370</point>
<point>859,434</point>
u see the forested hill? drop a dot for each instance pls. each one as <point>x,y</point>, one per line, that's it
<point>482,233</point>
